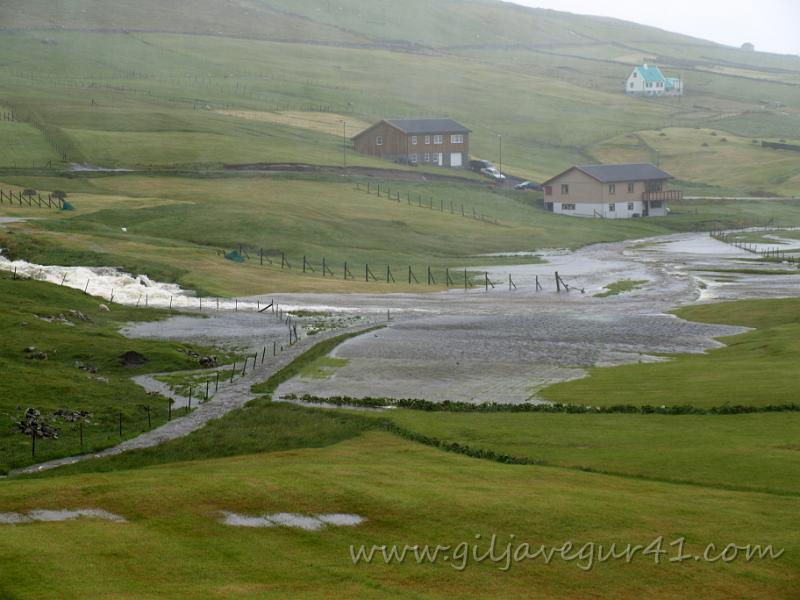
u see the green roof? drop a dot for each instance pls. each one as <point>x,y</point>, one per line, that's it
<point>651,74</point>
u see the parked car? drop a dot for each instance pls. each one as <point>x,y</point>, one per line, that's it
<point>493,173</point>
<point>479,165</point>
<point>529,185</point>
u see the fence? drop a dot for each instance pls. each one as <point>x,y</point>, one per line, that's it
<point>768,254</point>
<point>32,200</point>
<point>427,202</point>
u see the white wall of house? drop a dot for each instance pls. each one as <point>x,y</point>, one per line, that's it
<point>636,85</point>
<point>621,210</point>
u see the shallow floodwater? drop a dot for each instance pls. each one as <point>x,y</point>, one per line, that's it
<point>501,344</point>
<point>504,346</point>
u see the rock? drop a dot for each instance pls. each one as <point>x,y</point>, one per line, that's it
<point>103,308</point>
<point>37,356</point>
<point>208,362</point>
<point>133,359</point>
<point>30,349</point>
<point>79,315</point>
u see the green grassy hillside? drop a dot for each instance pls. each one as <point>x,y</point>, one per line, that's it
<point>176,227</point>
<point>110,84</point>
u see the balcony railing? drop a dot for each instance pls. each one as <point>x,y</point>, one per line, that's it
<point>667,196</point>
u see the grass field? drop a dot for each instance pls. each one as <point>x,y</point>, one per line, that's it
<point>409,494</point>
<point>762,361</point>
<point>177,225</point>
<point>80,369</point>
<point>711,156</point>
<point>160,99</point>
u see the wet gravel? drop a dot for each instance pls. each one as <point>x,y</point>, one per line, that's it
<point>504,346</point>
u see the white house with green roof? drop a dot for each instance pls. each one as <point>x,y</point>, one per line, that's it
<point>650,81</point>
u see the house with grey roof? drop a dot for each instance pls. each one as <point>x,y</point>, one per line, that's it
<point>619,191</point>
<point>648,80</point>
<point>441,142</point>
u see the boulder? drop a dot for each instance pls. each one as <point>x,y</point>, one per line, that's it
<point>133,359</point>
<point>103,308</point>
<point>208,362</point>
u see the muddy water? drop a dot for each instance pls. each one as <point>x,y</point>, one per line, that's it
<point>497,345</point>
<point>504,346</point>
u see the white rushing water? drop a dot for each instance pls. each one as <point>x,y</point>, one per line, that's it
<point>120,287</point>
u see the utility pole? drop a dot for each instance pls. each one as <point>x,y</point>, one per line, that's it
<point>344,143</point>
<point>500,137</point>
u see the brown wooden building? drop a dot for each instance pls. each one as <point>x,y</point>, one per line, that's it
<point>610,191</point>
<point>440,141</point>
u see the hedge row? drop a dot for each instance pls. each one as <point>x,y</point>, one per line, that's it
<point>448,406</point>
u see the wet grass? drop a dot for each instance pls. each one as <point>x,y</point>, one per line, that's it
<point>753,369</point>
<point>620,287</point>
<point>748,452</point>
<point>323,368</point>
<point>55,380</point>
<point>409,494</point>
<point>177,226</point>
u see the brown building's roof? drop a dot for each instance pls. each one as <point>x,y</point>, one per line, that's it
<point>617,173</point>
<point>422,126</point>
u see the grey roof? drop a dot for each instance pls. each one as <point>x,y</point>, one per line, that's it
<point>624,172</point>
<point>435,125</point>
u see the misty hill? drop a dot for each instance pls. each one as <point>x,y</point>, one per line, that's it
<point>120,83</point>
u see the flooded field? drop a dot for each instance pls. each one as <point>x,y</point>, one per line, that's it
<point>484,344</point>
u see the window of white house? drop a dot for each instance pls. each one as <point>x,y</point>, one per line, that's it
<point>427,157</point>
<point>414,158</point>
<point>379,140</point>
<point>456,139</point>
<point>612,189</point>
<point>630,205</point>
<point>567,207</point>
<point>630,188</point>
<point>414,140</point>
<point>438,139</point>
<point>631,84</point>
<point>565,188</point>
<point>427,139</point>
<point>612,208</point>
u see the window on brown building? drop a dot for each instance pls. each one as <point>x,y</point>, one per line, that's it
<point>565,188</point>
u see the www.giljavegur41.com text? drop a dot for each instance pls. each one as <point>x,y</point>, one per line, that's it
<point>585,556</point>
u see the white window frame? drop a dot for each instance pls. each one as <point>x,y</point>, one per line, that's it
<point>427,157</point>
<point>413,159</point>
<point>427,140</point>
<point>565,189</point>
<point>413,140</point>
<point>567,206</point>
<point>438,140</point>
<point>631,188</point>
<point>612,189</point>
<point>612,207</point>
<point>456,139</point>
<point>379,140</point>
<point>631,206</point>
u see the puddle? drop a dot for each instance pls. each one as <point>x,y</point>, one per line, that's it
<point>57,516</point>
<point>292,520</point>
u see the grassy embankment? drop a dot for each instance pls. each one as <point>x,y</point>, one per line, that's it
<point>176,227</point>
<point>755,368</point>
<point>197,101</point>
<point>88,338</point>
